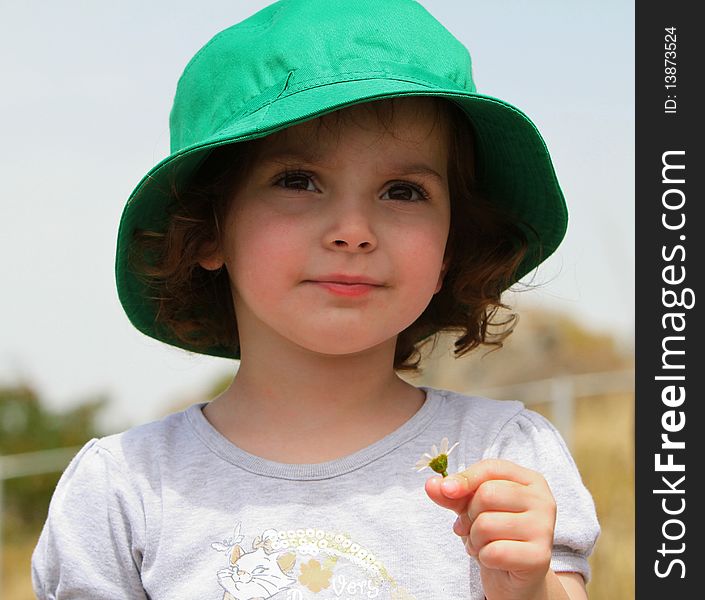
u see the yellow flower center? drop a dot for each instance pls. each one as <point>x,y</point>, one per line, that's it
<point>439,464</point>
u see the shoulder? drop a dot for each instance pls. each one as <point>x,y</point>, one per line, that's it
<point>152,433</point>
<point>530,437</point>
<point>499,416</point>
<point>480,417</point>
<point>140,450</point>
<point>477,407</point>
<point>502,429</point>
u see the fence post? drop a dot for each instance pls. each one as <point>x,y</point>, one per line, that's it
<point>563,407</point>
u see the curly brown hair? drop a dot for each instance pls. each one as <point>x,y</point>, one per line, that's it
<point>485,246</point>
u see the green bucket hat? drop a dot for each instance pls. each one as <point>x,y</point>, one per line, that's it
<point>296,60</point>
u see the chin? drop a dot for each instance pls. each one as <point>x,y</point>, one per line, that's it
<point>340,345</point>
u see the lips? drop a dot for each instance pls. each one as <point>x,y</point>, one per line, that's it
<point>343,284</point>
<point>344,279</point>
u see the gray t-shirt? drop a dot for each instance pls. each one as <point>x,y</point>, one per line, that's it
<point>172,509</point>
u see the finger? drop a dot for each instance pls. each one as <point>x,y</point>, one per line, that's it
<point>462,524</point>
<point>467,481</point>
<point>433,489</point>
<point>501,495</point>
<point>517,556</point>
<point>492,526</point>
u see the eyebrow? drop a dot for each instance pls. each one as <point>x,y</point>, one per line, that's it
<point>310,156</point>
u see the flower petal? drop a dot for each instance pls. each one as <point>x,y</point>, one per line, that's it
<point>422,462</point>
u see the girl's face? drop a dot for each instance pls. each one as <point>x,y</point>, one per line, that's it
<point>317,207</point>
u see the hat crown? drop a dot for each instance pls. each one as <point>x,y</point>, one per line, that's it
<point>293,45</point>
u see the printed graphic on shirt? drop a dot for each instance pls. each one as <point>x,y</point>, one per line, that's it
<point>301,564</point>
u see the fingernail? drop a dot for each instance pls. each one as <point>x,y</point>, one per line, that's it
<point>450,486</point>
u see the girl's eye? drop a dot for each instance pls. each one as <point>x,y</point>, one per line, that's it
<point>299,181</point>
<point>407,195</point>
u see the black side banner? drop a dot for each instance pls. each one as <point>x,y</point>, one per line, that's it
<point>670,425</point>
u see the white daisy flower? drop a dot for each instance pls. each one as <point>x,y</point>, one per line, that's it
<point>438,461</point>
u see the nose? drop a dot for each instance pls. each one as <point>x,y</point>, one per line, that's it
<point>353,227</point>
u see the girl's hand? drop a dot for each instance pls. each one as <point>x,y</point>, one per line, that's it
<point>506,517</point>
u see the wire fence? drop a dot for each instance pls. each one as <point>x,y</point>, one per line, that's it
<point>560,393</point>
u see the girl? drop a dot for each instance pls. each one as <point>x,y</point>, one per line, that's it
<point>337,194</point>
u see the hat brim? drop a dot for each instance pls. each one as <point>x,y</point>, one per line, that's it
<point>513,167</point>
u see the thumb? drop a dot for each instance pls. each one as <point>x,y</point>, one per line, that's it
<point>435,487</point>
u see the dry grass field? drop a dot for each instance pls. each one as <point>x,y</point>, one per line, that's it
<point>603,447</point>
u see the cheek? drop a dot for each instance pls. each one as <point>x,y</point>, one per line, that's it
<point>262,248</point>
<point>423,254</point>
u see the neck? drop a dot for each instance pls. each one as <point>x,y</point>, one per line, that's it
<point>284,389</point>
<point>312,384</point>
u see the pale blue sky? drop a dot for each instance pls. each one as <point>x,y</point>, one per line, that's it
<point>87,89</point>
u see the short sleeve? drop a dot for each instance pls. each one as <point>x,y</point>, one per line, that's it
<point>531,441</point>
<point>91,545</point>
